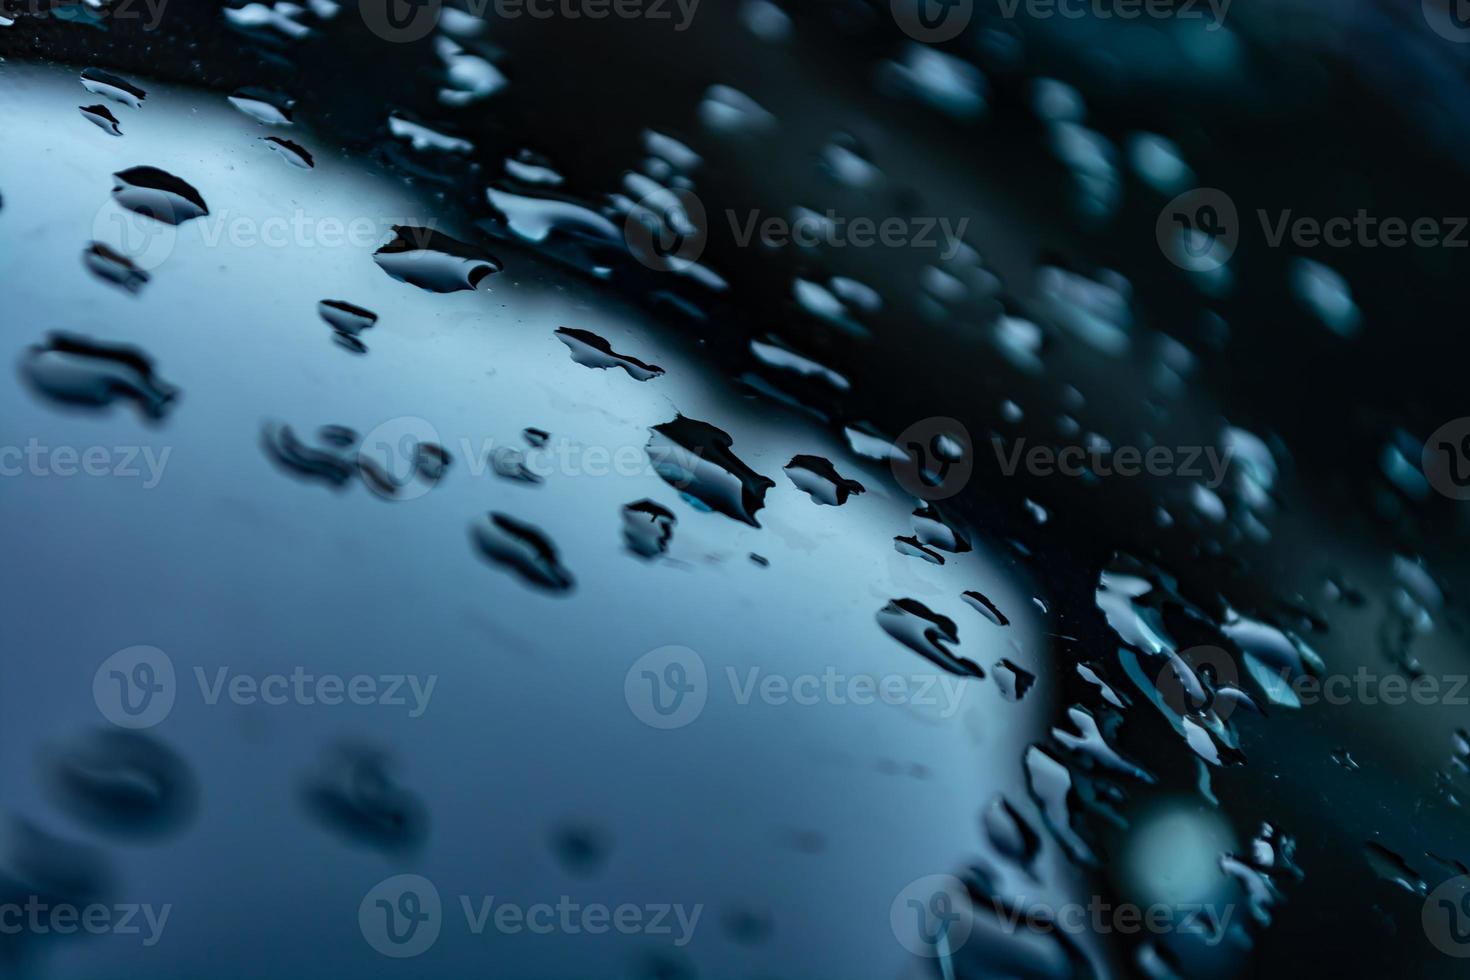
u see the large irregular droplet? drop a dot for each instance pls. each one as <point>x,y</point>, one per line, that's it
<point>694,458</point>
<point>434,261</point>
<point>157,194</point>
<point>926,632</point>
<point>524,548</point>
<point>590,350</point>
<point>79,371</point>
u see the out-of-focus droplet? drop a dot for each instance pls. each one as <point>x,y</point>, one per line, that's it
<point>117,269</point>
<point>78,371</point>
<point>523,548</point>
<point>354,796</point>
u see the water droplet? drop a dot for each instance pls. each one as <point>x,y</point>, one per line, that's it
<point>157,194</point>
<point>283,446</point>
<point>355,797</point>
<point>925,632</point>
<point>510,463</point>
<point>1010,834</point>
<point>113,87</point>
<point>102,118</point>
<point>582,850</point>
<point>292,152</point>
<point>124,783</point>
<point>1326,293</point>
<point>532,168</point>
<point>590,350</point>
<point>1014,681</point>
<point>728,110</point>
<point>117,269</point>
<point>1393,868</point>
<point>432,260</point>
<point>776,354</point>
<point>821,481</point>
<point>424,139</point>
<point>694,458</point>
<point>647,527</point>
<point>913,548</point>
<point>523,548</point>
<point>347,321</point>
<point>264,105</point>
<point>986,608</point>
<point>79,371</point>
